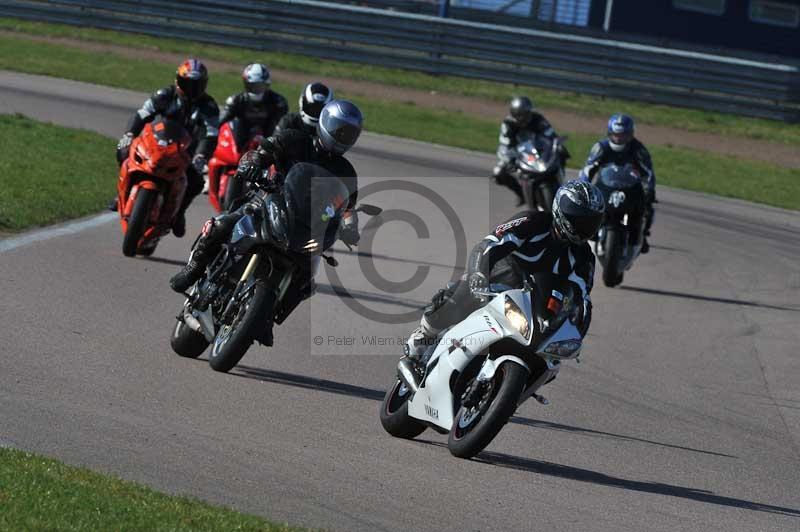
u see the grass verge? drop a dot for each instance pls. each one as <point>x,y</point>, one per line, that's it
<point>675,117</point>
<point>50,173</point>
<point>38,493</point>
<point>680,167</point>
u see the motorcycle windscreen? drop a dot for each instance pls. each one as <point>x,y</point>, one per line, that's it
<point>315,200</point>
<point>619,177</point>
<point>553,298</point>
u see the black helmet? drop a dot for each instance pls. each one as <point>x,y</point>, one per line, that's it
<point>578,210</point>
<point>315,96</point>
<point>521,110</point>
<point>257,81</point>
<point>339,126</point>
<point>191,78</point>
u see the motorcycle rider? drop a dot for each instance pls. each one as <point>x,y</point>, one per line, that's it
<point>621,147</point>
<point>314,97</point>
<point>530,242</point>
<point>257,108</point>
<point>338,129</point>
<point>188,101</point>
<point>521,119</point>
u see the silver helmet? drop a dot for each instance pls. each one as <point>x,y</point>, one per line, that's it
<point>339,126</point>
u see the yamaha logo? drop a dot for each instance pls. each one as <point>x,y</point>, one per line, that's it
<point>617,198</point>
<point>434,413</point>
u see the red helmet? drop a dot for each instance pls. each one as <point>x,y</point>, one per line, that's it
<point>191,78</point>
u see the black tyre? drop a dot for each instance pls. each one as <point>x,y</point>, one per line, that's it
<point>475,427</point>
<point>233,341</point>
<point>394,413</point>
<point>137,223</point>
<point>546,196</point>
<point>233,189</point>
<point>186,342</point>
<point>613,250</point>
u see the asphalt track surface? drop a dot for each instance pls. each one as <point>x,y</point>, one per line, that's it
<point>684,415</point>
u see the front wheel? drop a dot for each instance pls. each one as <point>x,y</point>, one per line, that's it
<point>394,413</point>
<point>613,250</point>
<point>234,339</point>
<point>546,195</point>
<point>476,425</point>
<point>137,223</point>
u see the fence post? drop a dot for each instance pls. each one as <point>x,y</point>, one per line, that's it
<point>444,8</point>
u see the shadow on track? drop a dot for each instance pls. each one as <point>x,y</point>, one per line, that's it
<point>398,259</point>
<point>594,477</point>
<point>711,299</point>
<point>162,260</point>
<point>333,290</point>
<point>309,383</point>
<point>599,433</point>
<point>361,392</point>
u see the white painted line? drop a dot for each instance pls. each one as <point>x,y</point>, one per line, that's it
<point>47,233</point>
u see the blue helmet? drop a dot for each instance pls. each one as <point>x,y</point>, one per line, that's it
<point>620,131</point>
<point>339,126</point>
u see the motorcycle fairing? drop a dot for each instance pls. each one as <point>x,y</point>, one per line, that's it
<point>457,347</point>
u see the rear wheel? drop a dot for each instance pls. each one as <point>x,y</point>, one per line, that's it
<point>234,339</point>
<point>476,424</point>
<point>613,250</point>
<point>187,342</point>
<point>137,223</point>
<point>232,191</point>
<point>394,413</point>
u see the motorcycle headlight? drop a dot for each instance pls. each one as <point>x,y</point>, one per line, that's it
<point>540,165</point>
<point>563,349</point>
<point>517,318</point>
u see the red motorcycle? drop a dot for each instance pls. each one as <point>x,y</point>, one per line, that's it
<point>151,185</point>
<point>222,190</point>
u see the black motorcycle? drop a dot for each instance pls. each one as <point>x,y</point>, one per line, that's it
<point>539,171</point>
<point>620,237</point>
<point>262,273</point>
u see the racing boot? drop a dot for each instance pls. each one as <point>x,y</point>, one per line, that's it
<point>265,337</point>
<point>179,224</point>
<point>195,267</point>
<point>113,205</point>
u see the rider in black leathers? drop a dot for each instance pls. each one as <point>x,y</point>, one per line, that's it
<point>257,108</point>
<point>314,97</point>
<point>521,119</point>
<point>187,101</point>
<point>338,129</point>
<point>620,147</point>
<point>530,242</point>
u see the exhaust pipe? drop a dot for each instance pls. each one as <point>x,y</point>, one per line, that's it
<point>408,374</point>
<point>192,322</point>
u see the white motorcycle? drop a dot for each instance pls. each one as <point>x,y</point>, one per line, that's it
<point>479,370</point>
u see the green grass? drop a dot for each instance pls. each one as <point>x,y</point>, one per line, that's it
<point>50,173</point>
<point>687,119</point>
<point>38,493</point>
<point>681,167</point>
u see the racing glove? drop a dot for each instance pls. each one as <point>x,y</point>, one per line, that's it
<point>125,142</point>
<point>199,163</point>
<point>348,230</point>
<point>477,283</point>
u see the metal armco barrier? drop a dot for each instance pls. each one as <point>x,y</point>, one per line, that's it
<point>450,47</point>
